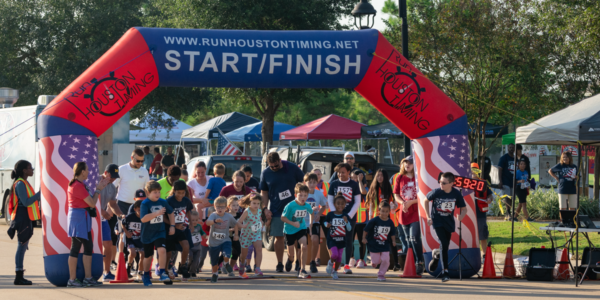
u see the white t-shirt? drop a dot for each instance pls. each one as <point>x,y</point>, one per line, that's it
<point>199,190</point>
<point>130,181</point>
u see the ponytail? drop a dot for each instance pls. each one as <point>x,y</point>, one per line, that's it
<point>77,169</point>
<point>17,172</point>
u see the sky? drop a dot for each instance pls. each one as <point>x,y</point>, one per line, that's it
<point>378,5</point>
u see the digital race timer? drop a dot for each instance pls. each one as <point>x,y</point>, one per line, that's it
<point>468,183</point>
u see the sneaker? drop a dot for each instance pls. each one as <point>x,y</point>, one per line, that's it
<point>347,269</point>
<point>288,265</point>
<point>75,283</point>
<point>171,274</point>
<point>249,269</point>
<point>329,268</point>
<point>236,268</point>
<point>228,268</point>
<point>380,278</point>
<point>214,278</point>
<point>138,278</point>
<point>420,268</point>
<point>334,275</point>
<point>165,277</point>
<point>530,220</point>
<point>279,268</point>
<point>146,280</point>
<point>313,267</point>
<point>361,264</point>
<point>193,275</point>
<point>396,268</point>
<point>352,262</point>
<point>297,268</point>
<point>113,265</point>
<point>446,277</point>
<point>91,282</point>
<point>108,277</point>
<point>243,274</point>
<point>258,272</point>
<point>318,262</point>
<point>435,259</point>
<point>129,272</point>
<point>302,274</point>
<point>231,274</point>
<point>183,279</point>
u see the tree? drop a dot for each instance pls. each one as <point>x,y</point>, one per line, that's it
<point>258,15</point>
<point>488,56</point>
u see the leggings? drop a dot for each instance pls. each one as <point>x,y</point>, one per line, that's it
<point>76,243</point>
<point>382,258</point>
<point>444,236</point>
<point>362,248</point>
<point>250,252</point>
<point>20,255</point>
<point>350,243</point>
<point>336,254</point>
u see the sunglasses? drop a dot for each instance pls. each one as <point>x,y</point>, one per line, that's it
<point>276,167</point>
<point>444,183</point>
<point>139,161</point>
<point>349,158</point>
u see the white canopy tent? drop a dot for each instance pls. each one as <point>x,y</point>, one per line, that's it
<point>160,128</point>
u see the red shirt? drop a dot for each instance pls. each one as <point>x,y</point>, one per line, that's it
<point>407,189</point>
<point>156,165</point>
<point>76,193</point>
<point>230,191</point>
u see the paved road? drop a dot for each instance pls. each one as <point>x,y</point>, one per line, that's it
<point>362,285</point>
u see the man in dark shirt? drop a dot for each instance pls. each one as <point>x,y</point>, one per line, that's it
<point>167,160</point>
<point>277,183</point>
<point>487,168</point>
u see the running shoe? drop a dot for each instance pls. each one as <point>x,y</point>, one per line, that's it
<point>313,267</point>
<point>334,275</point>
<point>420,268</point>
<point>258,272</point>
<point>223,270</point>
<point>129,272</point>
<point>352,262</point>
<point>91,282</point>
<point>214,278</point>
<point>318,261</point>
<point>297,268</point>
<point>183,279</point>
<point>361,264</point>
<point>279,268</point>
<point>138,278</point>
<point>329,268</point>
<point>228,268</point>
<point>347,269</point>
<point>446,277</point>
<point>165,277</point>
<point>170,273</point>
<point>288,265</point>
<point>530,220</point>
<point>242,274</point>
<point>75,283</point>
<point>146,280</point>
<point>249,269</point>
<point>113,265</point>
<point>380,278</point>
<point>108,277</point>
<point>302,274</point>
<point>193,275</point>
<point>435,259</point>
<point>235,267</point>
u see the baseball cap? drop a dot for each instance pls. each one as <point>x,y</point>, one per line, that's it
<point>139,195</point>
<point>408,159</point>
<point>113,170</point>
<point>348,153</point>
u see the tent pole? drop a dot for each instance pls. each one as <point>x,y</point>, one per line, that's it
<point>390,150</point>
<point>178,147</point>
<point>577,215</point>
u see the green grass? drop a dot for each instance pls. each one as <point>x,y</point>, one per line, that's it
<point>525,239</point>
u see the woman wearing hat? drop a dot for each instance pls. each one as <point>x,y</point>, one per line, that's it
<point>482,201</point>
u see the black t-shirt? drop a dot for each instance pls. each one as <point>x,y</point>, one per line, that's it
<point>167,160</point>
<point>280,185</point>
<point>133,223</point>
<point>566,178</point>
<point>443,206</point>
<point>379,234</point>
<point>253,185</point>
<point>349,189</point>
<point>336,234</point>
<point>180,209</point>
<point>507,163</point>
<point>487,167</point>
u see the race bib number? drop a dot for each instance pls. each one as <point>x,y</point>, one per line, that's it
<point>300,214</point>
<point>383,229</point>
<point>196,238</point>
<point>180,217</point>
<point>447,206</point>
<point>157,220</point>
<point>338,222</point>
<point>285,194</point>
<point>135,226</point>
<point>256,227</point>
<point>218,235</point>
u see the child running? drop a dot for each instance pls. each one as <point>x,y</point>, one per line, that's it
<point>132,225</point>
<point>234,233</point>
<point>318,203</point>
<point>218,241</point>
<point>251,235</point>
<point>182,209</point>
<point>295,226</point>
<point>378,233</point>
<point>338,226</point>
<point>196,250</point>
<point>154,234</point>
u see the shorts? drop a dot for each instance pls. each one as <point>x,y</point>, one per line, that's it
<point>215,252</point>
<point>113,225</point>
<point>149,248</point>
<point>315,229</point>
<point>173,240</point>
<point>482,228</point>
<point>124,206</point>
<point>276,227</point>
<point>521,194</point>
<point>106,236</point>
<point>293,238</point>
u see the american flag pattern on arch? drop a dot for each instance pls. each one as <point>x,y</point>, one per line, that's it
<point>58,155</point>
<point>448,153</point>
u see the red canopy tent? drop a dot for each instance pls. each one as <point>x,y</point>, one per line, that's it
<point>331,127</point>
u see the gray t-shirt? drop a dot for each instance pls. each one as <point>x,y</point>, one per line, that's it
<point>316,200</point>
<point>107,194</point>
<point>219,232</point>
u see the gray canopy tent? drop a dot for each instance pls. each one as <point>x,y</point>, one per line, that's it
<point>383,131</point>
<point>226,123</point>
<point>578,124</point>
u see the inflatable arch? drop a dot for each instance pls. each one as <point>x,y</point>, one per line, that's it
<point>145,58</point>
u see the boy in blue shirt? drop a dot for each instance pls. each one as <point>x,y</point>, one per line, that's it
<point>294,227</point>
<point>152,213</point>
<point>215,184</point>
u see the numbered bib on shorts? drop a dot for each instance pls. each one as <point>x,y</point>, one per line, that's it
<point>196,238</point>
<point>157,220</point>
<point>284,195</point>
<point>300,214</point>
<point>256,227</point>
<point>338,222</point>
<point>218,235</point>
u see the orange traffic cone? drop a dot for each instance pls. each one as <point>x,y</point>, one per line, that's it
<point>509,265</point>
<point>489,272</point>
<point>409,267</point>
<point>121,271</point>
<point>563,267</point>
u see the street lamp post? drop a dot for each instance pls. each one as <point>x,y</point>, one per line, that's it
<point>364,9</point>
<point>402,6</point>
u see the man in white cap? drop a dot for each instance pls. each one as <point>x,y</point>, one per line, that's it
<point>349,159</point>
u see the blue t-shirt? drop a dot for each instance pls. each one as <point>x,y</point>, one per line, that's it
<point>566,178</point>
<point>280,185</point>
<point>295,213</point>
<point>442,208</point>
<point>349,189</point>
<point>521,175</point>
<point>336,234</point>
<point>507,163</point>
<point>155,229</point>
<point>379,234</point>
<point>215,185</point>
